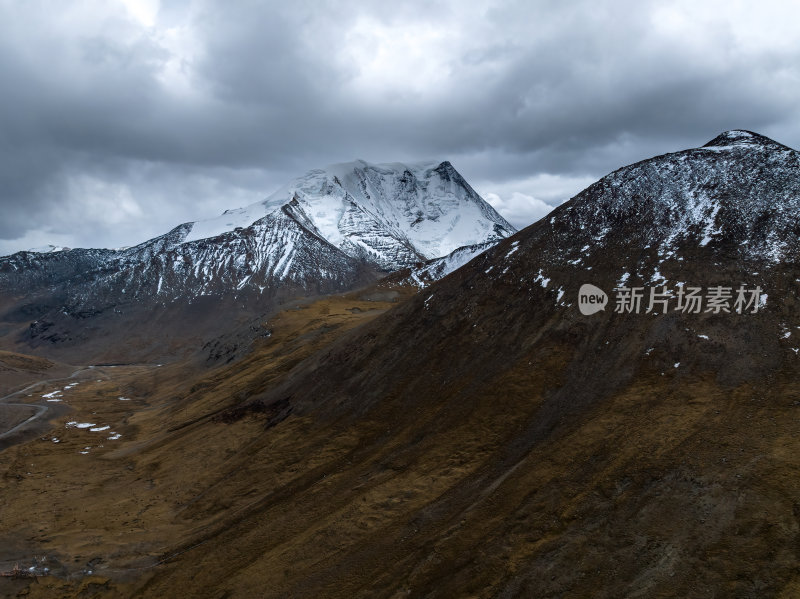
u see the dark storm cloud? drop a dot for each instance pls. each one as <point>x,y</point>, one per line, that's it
<point>118,123</point>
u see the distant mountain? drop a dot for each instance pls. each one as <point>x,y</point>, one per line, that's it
<point>330,230</point>
<point>423,274</point>
<point>391,215</point>
<point>630,452</point>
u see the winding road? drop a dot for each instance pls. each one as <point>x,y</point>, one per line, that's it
<point>40,408</point>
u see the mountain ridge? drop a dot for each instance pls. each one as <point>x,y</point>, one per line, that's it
<point>328,231</point>
<point>401,198</point>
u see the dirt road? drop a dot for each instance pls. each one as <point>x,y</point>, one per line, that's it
<point>41,408</point>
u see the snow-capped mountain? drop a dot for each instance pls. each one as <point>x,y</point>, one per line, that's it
<point>740,191</point>
<point>725,214</point>
<point>321,227</point>
<point>330,230</point>
<point>390,214</point>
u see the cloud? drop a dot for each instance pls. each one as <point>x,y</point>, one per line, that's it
<point>524,201</point>
<point>519,209</point>
<point>172,111</point>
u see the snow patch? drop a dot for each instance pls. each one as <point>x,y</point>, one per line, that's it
<point>514,248</point>
<point>710,230</point>
<point>76,424</point>
<point>541,279</point>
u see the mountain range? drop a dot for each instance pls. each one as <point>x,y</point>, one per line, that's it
<point>527,450</point>
<point>460,427</point>
<point>327,231</point>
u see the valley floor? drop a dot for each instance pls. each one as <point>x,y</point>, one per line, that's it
<point>101,466</point>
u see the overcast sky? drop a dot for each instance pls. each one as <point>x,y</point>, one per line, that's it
<point>121,119</point>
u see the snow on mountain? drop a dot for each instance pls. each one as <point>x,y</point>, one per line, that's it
<point>276,248</point>
<point>390,214</point>
<point>46,249</point>
<point>423,275</point>
<point>725,214</point>
<point>741,189</point>
<point>327,231</point>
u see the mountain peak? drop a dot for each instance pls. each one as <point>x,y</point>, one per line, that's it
<point>739,195</point>
<point>360,165</point>
<point>741,138</point>
<point>390,214</point>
